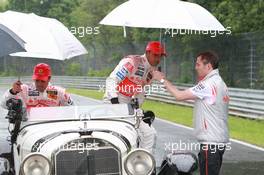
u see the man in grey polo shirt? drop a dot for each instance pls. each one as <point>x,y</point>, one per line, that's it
<point>210,111</point>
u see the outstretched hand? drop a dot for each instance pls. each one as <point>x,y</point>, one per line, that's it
<point>157,75</point>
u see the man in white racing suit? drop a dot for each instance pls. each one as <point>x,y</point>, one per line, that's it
<point>128,80</point>
<point>40,93</point>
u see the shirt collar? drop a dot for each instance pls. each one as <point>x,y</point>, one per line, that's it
<point>212,73</point>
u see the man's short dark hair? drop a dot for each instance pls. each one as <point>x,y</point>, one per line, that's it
<point>209,57</point>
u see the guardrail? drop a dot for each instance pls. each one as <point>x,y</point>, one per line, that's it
<point>247,103</point>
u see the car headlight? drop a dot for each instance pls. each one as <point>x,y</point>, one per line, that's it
<point>36,164</point>
<point>139,162</point>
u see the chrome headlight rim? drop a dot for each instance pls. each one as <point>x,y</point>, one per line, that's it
<point>30,156</point>
<point>136,151</point>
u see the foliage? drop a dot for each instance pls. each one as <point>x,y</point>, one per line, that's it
<point>73,69</point>
<point>241,15</point>
<point>99,73</point>
<point>186,74</point>
<point>3,4</point>
<point>106,44</point>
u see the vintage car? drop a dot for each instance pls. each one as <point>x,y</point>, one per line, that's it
<point>84,140</point>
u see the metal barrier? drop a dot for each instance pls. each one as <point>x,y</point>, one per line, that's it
<point>247,103</point>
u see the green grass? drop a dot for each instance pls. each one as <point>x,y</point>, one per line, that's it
<point>174,113</point>
<point>88,93</point>
<point>251,131</point>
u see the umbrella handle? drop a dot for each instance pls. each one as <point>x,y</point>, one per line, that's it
<point>124,30</point>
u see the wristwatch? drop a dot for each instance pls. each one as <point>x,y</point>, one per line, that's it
<point>162,80</point>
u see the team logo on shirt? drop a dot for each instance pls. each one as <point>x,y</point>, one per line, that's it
<point>121,75</point>
<point>129,67</point>
<point>68,99</point>
<point>140,71</point>
<point>199,87</point>
<point>33,93</point>
<point>52,94</point>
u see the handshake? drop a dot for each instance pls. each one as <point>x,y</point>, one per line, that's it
<point>159,76</point>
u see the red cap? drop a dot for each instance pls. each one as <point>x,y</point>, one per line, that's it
<point>156,47</point>
<point>42,71</point>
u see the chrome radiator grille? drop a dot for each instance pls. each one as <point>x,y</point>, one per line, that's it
<point>101,160</point>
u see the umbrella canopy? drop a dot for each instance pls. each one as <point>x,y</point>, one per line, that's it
<point>172,14</point>
<point>9,42</point>
<point>44,37</point>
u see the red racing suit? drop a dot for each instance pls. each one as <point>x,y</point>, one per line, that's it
<point>31,97</point>
<point>128,79</point>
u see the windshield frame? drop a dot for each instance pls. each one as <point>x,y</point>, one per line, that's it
<point>79,113</point>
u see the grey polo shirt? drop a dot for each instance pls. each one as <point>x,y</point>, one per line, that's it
<point>211,109</point>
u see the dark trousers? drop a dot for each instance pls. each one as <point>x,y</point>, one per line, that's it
<point>210,159</point>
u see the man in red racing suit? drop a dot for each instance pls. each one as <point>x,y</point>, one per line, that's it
<point>39,94</point>
<point>129,79</point>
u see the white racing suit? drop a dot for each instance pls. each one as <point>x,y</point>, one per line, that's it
<point>128,79</point>
<point>31,97</point>
<point>52,96</point>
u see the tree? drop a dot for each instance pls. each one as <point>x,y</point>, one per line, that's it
<point>73,69</point>
<point>3,4</point>
<point>240,15</point>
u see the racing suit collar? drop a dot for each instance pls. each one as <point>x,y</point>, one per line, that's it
<point>33,87</point>
<point>212,73</point>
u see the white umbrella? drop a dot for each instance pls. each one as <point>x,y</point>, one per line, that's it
<point>172,14</point>
<point>166,14</point>
<point>44,37</point>
<point>9,42</point>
